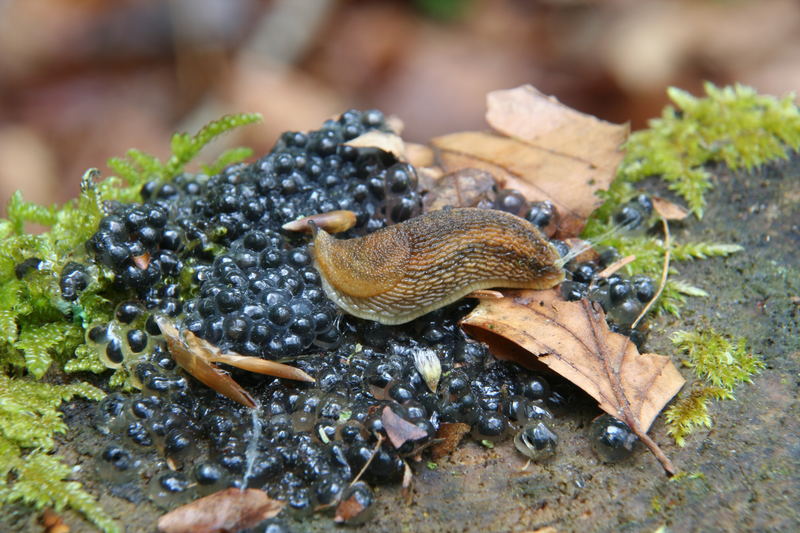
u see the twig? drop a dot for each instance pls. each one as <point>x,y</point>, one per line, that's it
<point>371,457</point>
<point>664,273</point>
<point>632,421</point>
<point>616,265</point>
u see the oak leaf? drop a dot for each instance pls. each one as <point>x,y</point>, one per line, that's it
<point>398,429</point>
<point>226,511</point>
<point>542,148</point>
<point>573,340</point>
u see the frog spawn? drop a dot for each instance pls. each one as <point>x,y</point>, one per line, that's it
<point>314,438</point>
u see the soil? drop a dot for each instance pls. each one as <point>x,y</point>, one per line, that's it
<point>743,474</point>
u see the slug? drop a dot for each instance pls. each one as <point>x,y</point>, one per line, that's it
<point>403,271</point>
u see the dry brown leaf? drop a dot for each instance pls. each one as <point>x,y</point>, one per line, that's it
<point>616,265</point>
<point>198,365</point>
<point>53,523</point>
<point>141,261</point>
<point>544,149</point>
<point>398,429</point>
<point>337,221</point>
<point>388,142</point>
<point>669,210</point>
<point>419,155</point>
<point>226,511</point>
<point>449,435</point>
<point>463,188</point>
<point>573,340</point>
<point>347,510</point>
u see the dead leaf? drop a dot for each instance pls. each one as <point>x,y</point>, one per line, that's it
<point>141,261</point>
<point>398,429</point>
<point>584,249</point>
<point>408,478</point>
<point>197,357</point>
<point>573,340</point>
<point>388,142</point>
<point>225,511</point>
<point>463,188</point>
<point>53,523</point>
<point>544,149</point>
<point>348,509</point>
<point>419,155</point>
<point>449,435</point>
<point>669,210</point>
<point>356,505</point>
<point>202,369</point>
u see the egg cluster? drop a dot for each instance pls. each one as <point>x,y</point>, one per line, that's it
<point>209,252</point>
<point>308,441</point>
<point>623,299</point>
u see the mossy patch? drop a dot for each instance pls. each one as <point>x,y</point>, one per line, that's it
<point>38,328</point>
<point>733,125</point>
<point>720,364</point>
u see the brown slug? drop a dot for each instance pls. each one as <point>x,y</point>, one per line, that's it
<point>403,271</point>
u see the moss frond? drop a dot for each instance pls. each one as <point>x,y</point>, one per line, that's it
<point>691,413</point>
<point>29,418</point>
<point>721,365</point>
<point>703,250</point>
<point>39,328</point>
<point>717,360</point>
<point>20,212</point>
<point>673,297</point>
<point>43,480</point>
<point>734,125</point>
<point>185,147</point>
<point>227,158</point>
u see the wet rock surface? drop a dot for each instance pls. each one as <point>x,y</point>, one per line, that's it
<point>742,474</point>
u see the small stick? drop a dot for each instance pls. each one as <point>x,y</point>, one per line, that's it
<point>616,265</point>
<point>371,457</point>
<point>664,273</point>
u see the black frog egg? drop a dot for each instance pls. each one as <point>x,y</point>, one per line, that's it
<point>490,426</point>
<point>611,438</point>
<point>362,498</point>
<point>536,441</point>
<point>118,464</point>
<point>511,201</point>
<point>170,489</point>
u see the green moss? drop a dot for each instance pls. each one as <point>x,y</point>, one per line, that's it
<point>39,328</point>
<point>734,125</point>
<point>719,365</point>
<point>29,418</point>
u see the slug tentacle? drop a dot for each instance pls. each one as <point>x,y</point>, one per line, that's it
<point>404,271</point>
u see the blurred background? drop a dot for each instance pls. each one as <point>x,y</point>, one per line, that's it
<point>84,80</point>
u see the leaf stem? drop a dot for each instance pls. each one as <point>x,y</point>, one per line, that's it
<point>664,273</point>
